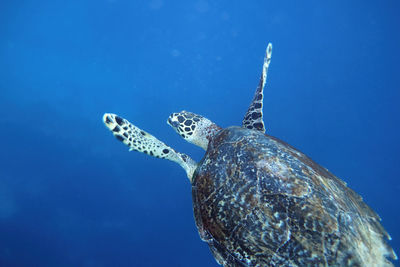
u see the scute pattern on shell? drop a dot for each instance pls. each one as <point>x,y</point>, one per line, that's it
<point>259,202</point>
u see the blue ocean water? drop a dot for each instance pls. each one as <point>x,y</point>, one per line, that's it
<point>71,195</point>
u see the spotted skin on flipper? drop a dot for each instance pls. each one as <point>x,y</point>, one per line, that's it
<point>254,116</point>
<point>141,141</point>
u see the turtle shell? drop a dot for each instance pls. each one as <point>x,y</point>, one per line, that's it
<point>259,202</point>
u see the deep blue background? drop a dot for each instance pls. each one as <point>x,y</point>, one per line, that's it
<point>71,195</point>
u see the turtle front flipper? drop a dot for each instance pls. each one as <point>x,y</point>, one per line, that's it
<point>139,140</point>
<point>254,116</point>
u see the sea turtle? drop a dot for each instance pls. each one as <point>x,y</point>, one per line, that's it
<point>258,201</point>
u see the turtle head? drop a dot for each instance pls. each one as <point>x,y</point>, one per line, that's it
<point>194,128</point>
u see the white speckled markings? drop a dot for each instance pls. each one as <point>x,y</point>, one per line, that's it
<point>141,141</point>
<point>254,116</point>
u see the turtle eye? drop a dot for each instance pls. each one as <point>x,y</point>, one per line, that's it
<point>175,124</point>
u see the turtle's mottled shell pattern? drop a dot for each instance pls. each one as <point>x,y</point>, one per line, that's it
<point>259,202</point>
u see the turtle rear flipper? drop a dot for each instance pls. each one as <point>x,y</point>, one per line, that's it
<point>141,141</point>
<point>254,116</point>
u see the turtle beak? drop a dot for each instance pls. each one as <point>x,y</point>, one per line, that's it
<point>173,124</point>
